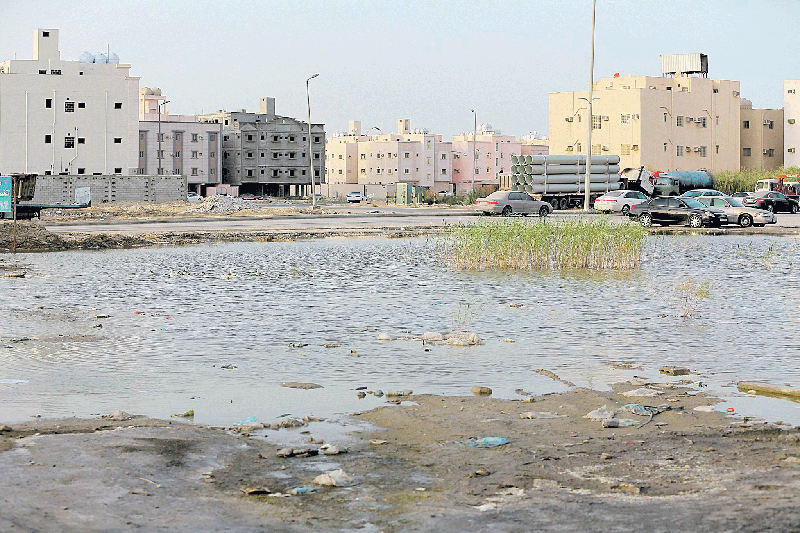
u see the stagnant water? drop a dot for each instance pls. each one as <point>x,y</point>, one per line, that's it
<point>178,316</point>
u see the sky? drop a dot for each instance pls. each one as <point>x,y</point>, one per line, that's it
<point>429,61</point>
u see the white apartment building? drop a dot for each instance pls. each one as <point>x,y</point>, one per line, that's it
<point>673,122</point>
<point>177,144</point>
<point>67,117</point>
<point>791,124</point>
<point>492,153</point>
<point>534,145</point>
<point>268,154</point>
<point>761,137</point>
<point>374,164</point>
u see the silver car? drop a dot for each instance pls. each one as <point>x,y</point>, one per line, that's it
<point>509,203</point>
<point>737,212</point>
<point>619,201</point>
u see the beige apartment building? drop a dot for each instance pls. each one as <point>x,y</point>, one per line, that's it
<point>791,125</point>
<point>761,137</point>
<point>661,123</point>
<point>375,164</point>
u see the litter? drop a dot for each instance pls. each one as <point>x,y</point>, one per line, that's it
<point>248,420</point>
<point>335,478</point>
<point>541,414</point>
<point>487,442</point>
<point>600,414</point>
<point>644,391</point>
<point>187,414</point>
<point>619,422</point>
<point>302,490</point>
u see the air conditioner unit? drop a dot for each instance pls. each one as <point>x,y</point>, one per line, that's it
<point>636,116</point>
<point>634,147</point>
<point>790,91</point>
<point>605,117</point>
<point>790,121</point>
<point>569,148</point>
<point>689,119</point>
<point>765,151</point>
<point>605,148</point>
<point>767,122</point>
<point>791,150</point>
<point>696,149</point>
<point>569,119</point>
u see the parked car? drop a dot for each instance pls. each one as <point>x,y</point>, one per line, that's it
<point>193,196</point>
<point>318,197</point>
<point>772,201</point>
<point>356,197</point>
<point>741,195</point>
<point>737,212</point>
<point>507,203</point>
<point>694,193</point>
<point>619,201</point>
<point>247,196</point>
<point>677,210</point>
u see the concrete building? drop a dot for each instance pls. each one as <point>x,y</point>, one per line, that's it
<point>673,122</point>
<point>374,164</point>
<point>267,154</point>
<point>178,144</point>
<point>761,137</point>
<point>791,126</point>
<point>67,117</point>
<point>532,144</point>
<point>492,153</point>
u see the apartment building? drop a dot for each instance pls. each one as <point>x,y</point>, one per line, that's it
<point>761,137</point>
<point>532,144</point>
<point>177,144</point>
<point>679,121</point>
<point>374,164</point>
<point>67,117</point>
<point>491,151</point>
<point>268,154</point>
<point>791,125</point>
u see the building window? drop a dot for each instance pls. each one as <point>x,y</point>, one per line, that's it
<point>194,137</point>
<point>48,103</point>
<point>665,147</point>
<point>316,155</point>
<point>81,105</point>
<point>81,171</point>
<point>316,139</point>
<point>291,138</point>
<point>596,149</point>
<point>249,173</point>
<point>211,171</point>
<point>141,154</point>
<point>81,140</point>
<point>194,154</point>
<point>702,151</point>
<point>679,120</point>
<point>704,122</point>
<point>69,142</point>
<point>407,155</point>
<point>42,72</point>
<point>117,140</point>
<point>212,137</point>
<point>665,117</point>
<point>444,157</point>
<point>48,139</point>
<point>275,172</point>
<point>194,171</point>
<point>117,105</point>
<point>363,156</point>
<point>177,136</point>
<point>117,170</point>
<point>177,154</point>
<point>625,119</point>
<point>249,154</point>
<point>597,122</point>
<point>578,147</point>
<point>405,171</point>
<point>69,107</point>
<point>276,138</point>
<point>771,152</point>
<point>746,152</point>
<point>292,155</point>
<point>56,72</point>
<point>249,137</point>
<point>444,172</point>
<point>771,124</point>
<point>679,151</point>
<point>275,155</point>
<point>212,154</point>
<point>745,124</point>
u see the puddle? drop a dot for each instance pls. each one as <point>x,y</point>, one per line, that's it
<point>217,328</point>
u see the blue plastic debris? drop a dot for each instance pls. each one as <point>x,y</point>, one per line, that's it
<point>302,490</point>
<point>488,442</point>
<point>248,420</point>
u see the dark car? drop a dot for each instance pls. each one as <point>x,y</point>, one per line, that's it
<point>673,210</point>
<point>772,201</point>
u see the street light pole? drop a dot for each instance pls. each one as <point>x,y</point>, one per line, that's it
<point>310,155</point>
<point>474,162</point>
<point>591,119</point>
<point>160,169</point>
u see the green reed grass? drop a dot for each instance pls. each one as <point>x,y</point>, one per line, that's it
<point>745,179</point>
<point>523,244</point>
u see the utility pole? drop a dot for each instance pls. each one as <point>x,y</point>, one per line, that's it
<point>587,185</point>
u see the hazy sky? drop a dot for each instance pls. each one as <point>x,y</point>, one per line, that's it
<point>429,61</point>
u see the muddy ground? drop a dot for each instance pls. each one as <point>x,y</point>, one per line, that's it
<point>686,470</point>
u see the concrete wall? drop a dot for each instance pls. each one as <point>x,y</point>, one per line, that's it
<point>154,189</point>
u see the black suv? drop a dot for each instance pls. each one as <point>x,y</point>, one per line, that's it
<point>672,210</point>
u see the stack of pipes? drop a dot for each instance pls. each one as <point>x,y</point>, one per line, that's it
<point>563,174</point>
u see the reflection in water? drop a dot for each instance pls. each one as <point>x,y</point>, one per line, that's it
<point>178,315</point>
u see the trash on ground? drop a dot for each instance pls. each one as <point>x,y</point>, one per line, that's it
<point>530,415</point>
<point>395,393</point>
<point>297,345</point>
<point>335,478</point>
<point>299,491</point>
<point>644,392</point>
<point>481,391</point>
<point>300,385</point>
<point>187,414</point>
<point>255,491</point>
<point>487,442</point>
<point>600,414</point>
<point>228,367</point>
<point>509,340</point>
<point>705,408</point>
<point>377,442</point>
<point>619,422</point>
<point>248,420</point>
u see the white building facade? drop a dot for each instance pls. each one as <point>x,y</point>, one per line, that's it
<point>791,123</point>
<point>67,117</point>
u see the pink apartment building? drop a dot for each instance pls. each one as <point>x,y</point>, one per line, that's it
<point>492,153</point>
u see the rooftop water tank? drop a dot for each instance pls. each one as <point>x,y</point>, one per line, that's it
<point>101,58</point>
<point>113,58</point>
<point>86,57</point>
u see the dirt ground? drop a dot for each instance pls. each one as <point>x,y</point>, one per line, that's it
<point>686,470</point>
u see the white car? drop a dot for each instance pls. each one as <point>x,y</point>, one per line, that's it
<point>356,198</point>
<point>619,201</point>
<point>193,196</point>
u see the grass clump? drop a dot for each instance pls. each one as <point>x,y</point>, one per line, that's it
<point>745,179</point>
<point>519,244</point>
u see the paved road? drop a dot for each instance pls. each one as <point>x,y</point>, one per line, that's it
<point>347,218</point>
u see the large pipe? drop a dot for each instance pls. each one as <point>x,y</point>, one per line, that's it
<point>561,188</point>
<point>571,178</point>
<point>573,159</point>
<point>573,169</point>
